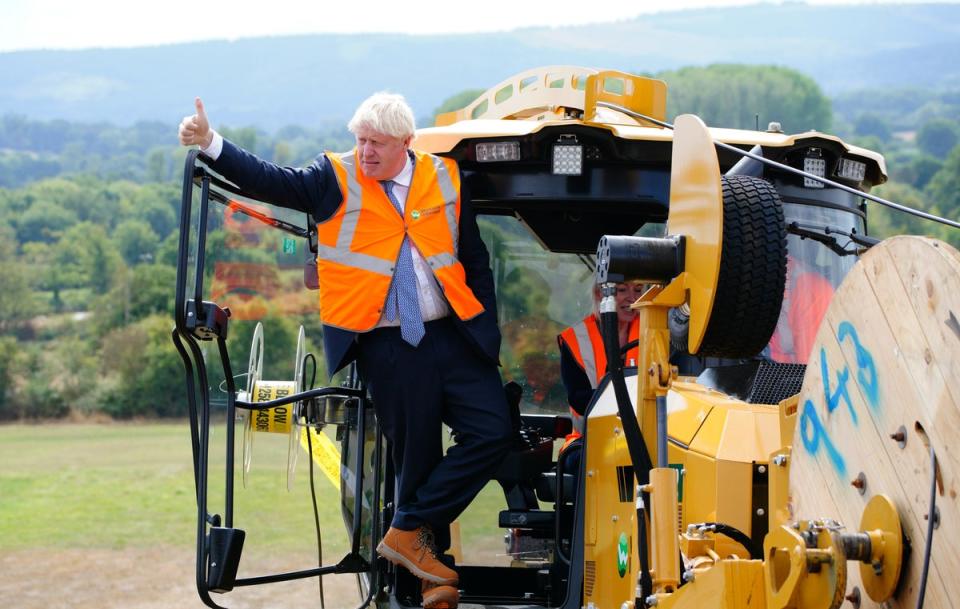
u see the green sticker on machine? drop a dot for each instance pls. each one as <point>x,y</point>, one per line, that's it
<point>623,554</point>
<point>289,245</point>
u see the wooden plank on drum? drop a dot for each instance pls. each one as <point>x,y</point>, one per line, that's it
<point>857,447</point>
<point>895,348</point>
<point>880,375</point>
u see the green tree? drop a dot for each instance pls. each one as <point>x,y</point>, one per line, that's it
<point>8,352</point>
<point>925,167</point>
<point>917,170</point>
<point>158,166</point>
<point>43,222</point>
<point>938,137</point>
<point>168,249</point>
<point>245,137</point>
<point>157,205</point>
<point>87,256</point>
<point>279,342</point>
<point>55,269</point>
<point>141,373</point>
<point>884,222</point>
<point>731,95</point>
<point>943,192</point>
<point>136,241</point>
<point>34,392</point>
<point>138,292</point>
<point>15,296</point>
<point>869,124</point>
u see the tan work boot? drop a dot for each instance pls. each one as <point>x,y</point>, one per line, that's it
<point>415,551</point>
<point>436,596</point>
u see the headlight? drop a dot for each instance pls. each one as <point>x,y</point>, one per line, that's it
<point>849,169</point>
<point>489,152</point>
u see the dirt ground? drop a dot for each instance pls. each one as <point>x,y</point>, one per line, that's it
<point>146,579</point>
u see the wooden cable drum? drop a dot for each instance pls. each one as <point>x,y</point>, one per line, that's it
<point>882,386</point>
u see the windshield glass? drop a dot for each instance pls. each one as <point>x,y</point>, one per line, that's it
<point>814,271</point>
<point>539,294</point>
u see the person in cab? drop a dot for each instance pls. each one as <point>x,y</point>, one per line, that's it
<point>583,360</point>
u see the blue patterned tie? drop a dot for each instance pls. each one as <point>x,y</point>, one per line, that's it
<point>402,296</point>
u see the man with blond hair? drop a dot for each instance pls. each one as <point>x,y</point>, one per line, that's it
<point>405,290</point>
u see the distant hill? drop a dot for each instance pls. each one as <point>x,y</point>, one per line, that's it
<point>312,80</point>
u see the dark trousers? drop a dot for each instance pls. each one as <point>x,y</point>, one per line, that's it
<point>415,391</point>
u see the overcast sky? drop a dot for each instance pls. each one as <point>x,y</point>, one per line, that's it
<point>75,24</point>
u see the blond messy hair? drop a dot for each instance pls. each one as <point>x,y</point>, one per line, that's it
<point>387,113</point>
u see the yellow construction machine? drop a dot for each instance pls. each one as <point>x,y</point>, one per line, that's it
<point>783,440</point>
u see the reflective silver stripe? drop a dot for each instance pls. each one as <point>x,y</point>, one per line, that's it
<point>341,253</point>
<point>449,194</point>
<point>356,260</point>
<point>577,420</point>
<point>438,261</point>
<point>354,200</point>
<point>586,352</point>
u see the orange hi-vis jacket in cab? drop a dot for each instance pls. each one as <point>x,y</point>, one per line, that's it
<point>585,343</point>
<point>359,244</point>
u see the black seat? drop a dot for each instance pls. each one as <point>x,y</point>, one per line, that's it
<point>547,487</point>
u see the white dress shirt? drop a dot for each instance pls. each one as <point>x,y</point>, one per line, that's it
<point>433,305</point>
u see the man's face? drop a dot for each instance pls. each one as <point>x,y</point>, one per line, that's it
<point>627,294</point>
<point>382,156</point>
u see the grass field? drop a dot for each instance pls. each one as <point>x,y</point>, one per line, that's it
<point>105,516</point>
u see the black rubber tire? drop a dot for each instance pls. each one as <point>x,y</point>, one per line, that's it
<point>753,270</point>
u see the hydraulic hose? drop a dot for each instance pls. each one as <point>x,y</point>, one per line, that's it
<point>639,455</point>
<point>756,552</point>
<point>931,525</point>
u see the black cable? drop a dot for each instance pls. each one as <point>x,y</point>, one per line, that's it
<point>639,455</point>
<point>930,525</point>
<point>646,582</point>
<point>735,534</point>
<point>313,493</point>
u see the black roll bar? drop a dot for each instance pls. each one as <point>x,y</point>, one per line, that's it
<point>196,320</point>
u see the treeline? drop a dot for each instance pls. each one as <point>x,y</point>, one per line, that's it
<point>918,131</point>
<point>89,216</point>
<point>146,152</point>
<point>87,267</point>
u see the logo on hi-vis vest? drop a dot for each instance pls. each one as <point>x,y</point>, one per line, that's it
<point>623,555</point>
<point>420,213</point>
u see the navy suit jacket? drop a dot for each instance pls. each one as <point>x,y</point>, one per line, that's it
<point>315,190</point>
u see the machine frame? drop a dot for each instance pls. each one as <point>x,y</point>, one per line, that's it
<point>615,540</point>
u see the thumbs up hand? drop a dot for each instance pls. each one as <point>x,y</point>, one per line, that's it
<point>195,129</point>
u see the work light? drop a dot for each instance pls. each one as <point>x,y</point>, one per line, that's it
<point>567,156</point>
<point>814,163</point>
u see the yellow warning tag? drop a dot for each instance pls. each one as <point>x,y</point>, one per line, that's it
<point>325,454</point>
<point>274,420</point>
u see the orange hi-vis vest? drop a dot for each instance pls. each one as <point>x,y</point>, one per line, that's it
<point>585,343</point>
<point>359,244</point>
